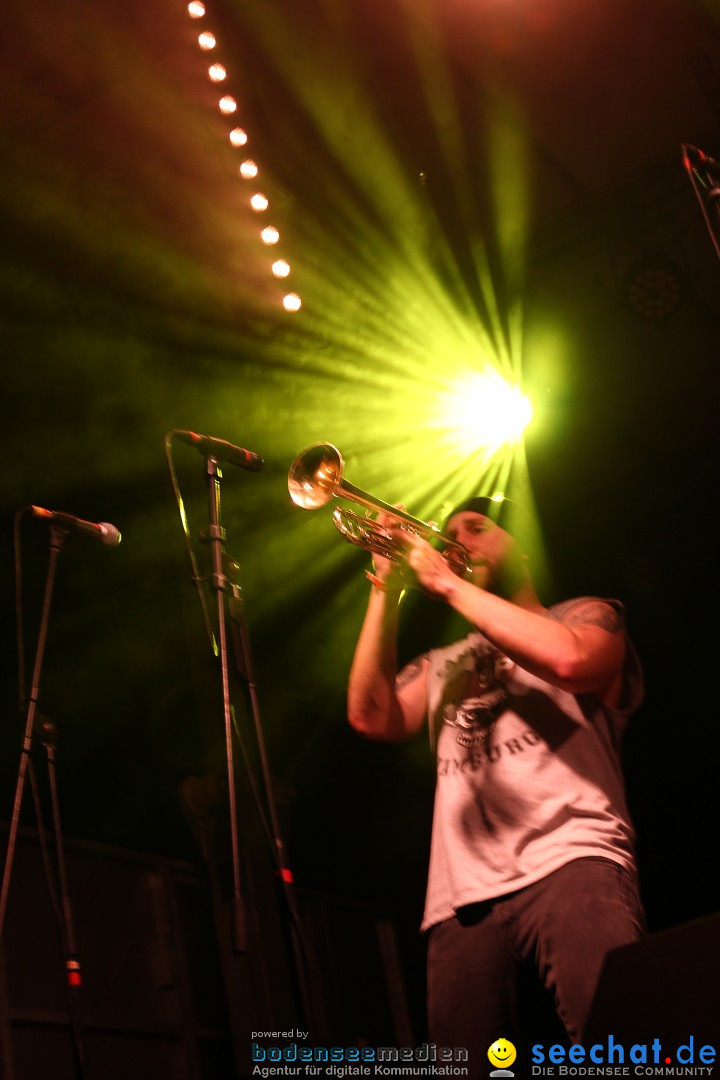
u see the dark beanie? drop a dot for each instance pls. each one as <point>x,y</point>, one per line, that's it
<point>495,509</point>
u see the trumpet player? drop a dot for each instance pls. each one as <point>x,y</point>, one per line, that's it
<point>532,853</point>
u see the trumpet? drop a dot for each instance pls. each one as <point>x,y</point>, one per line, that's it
<point>316,477</point>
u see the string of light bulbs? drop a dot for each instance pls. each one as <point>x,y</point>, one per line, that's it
<point>248,169</point>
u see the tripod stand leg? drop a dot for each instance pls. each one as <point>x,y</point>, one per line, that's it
<point>57,540</point>
<point>73,972</point>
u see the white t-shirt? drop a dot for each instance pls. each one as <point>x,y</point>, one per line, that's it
<point>528,776</point>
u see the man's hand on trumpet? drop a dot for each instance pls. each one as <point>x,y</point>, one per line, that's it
<point>427,568</point>
<point>422,566</point>
<point>389,574</point>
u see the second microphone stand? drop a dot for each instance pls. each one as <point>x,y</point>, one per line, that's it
<point>229,609</point>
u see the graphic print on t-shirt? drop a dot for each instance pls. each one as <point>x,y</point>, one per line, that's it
<point>477,694</point>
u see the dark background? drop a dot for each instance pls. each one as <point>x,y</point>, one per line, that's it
<point>134,300</point>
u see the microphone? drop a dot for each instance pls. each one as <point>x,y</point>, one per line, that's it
<point>102,531</point>
<point>222,450</point>
<point>696,159</point>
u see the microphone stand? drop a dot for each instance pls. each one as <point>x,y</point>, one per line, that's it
<point>245,668</point>
<point>219,585</point>
<point>34,721</point>
<point>704,174</point>
<point>227,584</point>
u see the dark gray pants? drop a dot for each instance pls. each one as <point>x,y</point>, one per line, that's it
<point>564,924</point>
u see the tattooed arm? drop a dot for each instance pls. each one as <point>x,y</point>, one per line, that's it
<point>582,654</point>
<point>593,612</point>
<point>378,706</point>
<point>608,651</point>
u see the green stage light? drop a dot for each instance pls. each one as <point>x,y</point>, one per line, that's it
<point>482,412</point>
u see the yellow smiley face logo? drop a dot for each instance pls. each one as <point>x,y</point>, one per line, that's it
<point>502,1053</point>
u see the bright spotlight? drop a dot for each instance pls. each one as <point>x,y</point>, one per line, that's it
<point>292,302</point>
<point>248,170</point>
<point>227,105</point>
<point>207,41</point>
<point>484,412</point>
<point>196,10</point>
<point>281,268</point>
<point>216,73</point>
<point>259,202</point>
<point>238,137</point>
<point>270,235</point>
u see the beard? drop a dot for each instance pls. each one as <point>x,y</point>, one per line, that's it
<point>505,578</point>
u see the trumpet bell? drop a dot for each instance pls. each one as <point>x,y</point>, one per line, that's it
<point>315,476</point>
